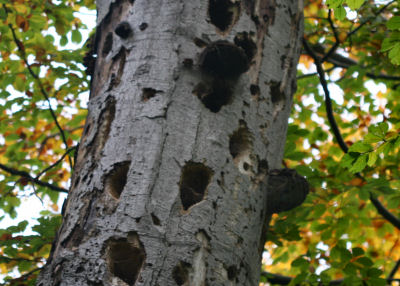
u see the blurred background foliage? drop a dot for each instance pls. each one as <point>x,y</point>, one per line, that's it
<point>343,136</point>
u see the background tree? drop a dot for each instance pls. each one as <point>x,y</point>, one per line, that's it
<point>342,228</point>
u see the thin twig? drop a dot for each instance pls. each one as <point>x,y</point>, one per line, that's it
<point>337,40</point>
<point>394,270</point>
<point>344,62</point>
<point>314,73</point>
<point>56,163</point>
<point>32,179</point>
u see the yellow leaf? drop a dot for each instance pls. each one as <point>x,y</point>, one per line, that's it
<point>21,8</point>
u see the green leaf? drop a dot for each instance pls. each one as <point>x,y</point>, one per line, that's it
<point>372,157</point>
<point>357,251</point>
<point>360,147</point>
<point>393,23</point>
<point>354,4</point>
<point>334,3</point>
<point>374,272</point>
<point>63,40</point>
<point>372,138</point>
<point>340,13</point>
<point>300,262</point>
<point>76,36</point>
<point>394,54</point>
<point>359,164</point>
<point>365,261</point>
<point>350,269</point>
<point>348,160</point>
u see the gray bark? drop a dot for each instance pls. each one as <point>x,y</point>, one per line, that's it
<point>188,111</point>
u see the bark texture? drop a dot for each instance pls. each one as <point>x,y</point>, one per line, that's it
<point>188,111</point>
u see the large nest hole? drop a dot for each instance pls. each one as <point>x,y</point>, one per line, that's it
<point>193,185</point>
<point>224,59</point>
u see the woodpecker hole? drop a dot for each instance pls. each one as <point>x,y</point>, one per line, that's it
<point>254,90</point>
<point>79,269</point>
<point>188,63</point>
<point>180,273</point>
<point>123,30</point>
<point>105,119</point>
<point>214,95</point>
<point>194,181</point>
<point>148,93</point>
<point>223,13</point>
<point>240,147</point>
<point>116,180</point>
<point>232,272</point>
<point>125,258</point>
<point>276,94</point>
<point>143,26</point>
<point>107,46</point>
<point>117,68</point>
<point>263,167</point>
<point>155,219</point>
<point>240,141</point>
<point>224,59</point>
<point>244,41</point>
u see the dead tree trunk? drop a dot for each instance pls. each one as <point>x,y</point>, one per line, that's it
<point>188,111</point>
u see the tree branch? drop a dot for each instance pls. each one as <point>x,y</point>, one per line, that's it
<point>394,270</point>
<point>337,41</point>
<point>328,101</point>
<point>31,179</point>
<point>344,62</point>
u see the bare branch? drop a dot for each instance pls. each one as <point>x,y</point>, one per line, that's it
<point>31,179</point>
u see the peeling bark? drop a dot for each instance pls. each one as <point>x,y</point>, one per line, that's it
<point>188,112</point>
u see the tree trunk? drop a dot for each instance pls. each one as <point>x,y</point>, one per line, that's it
<point>188,112</point>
